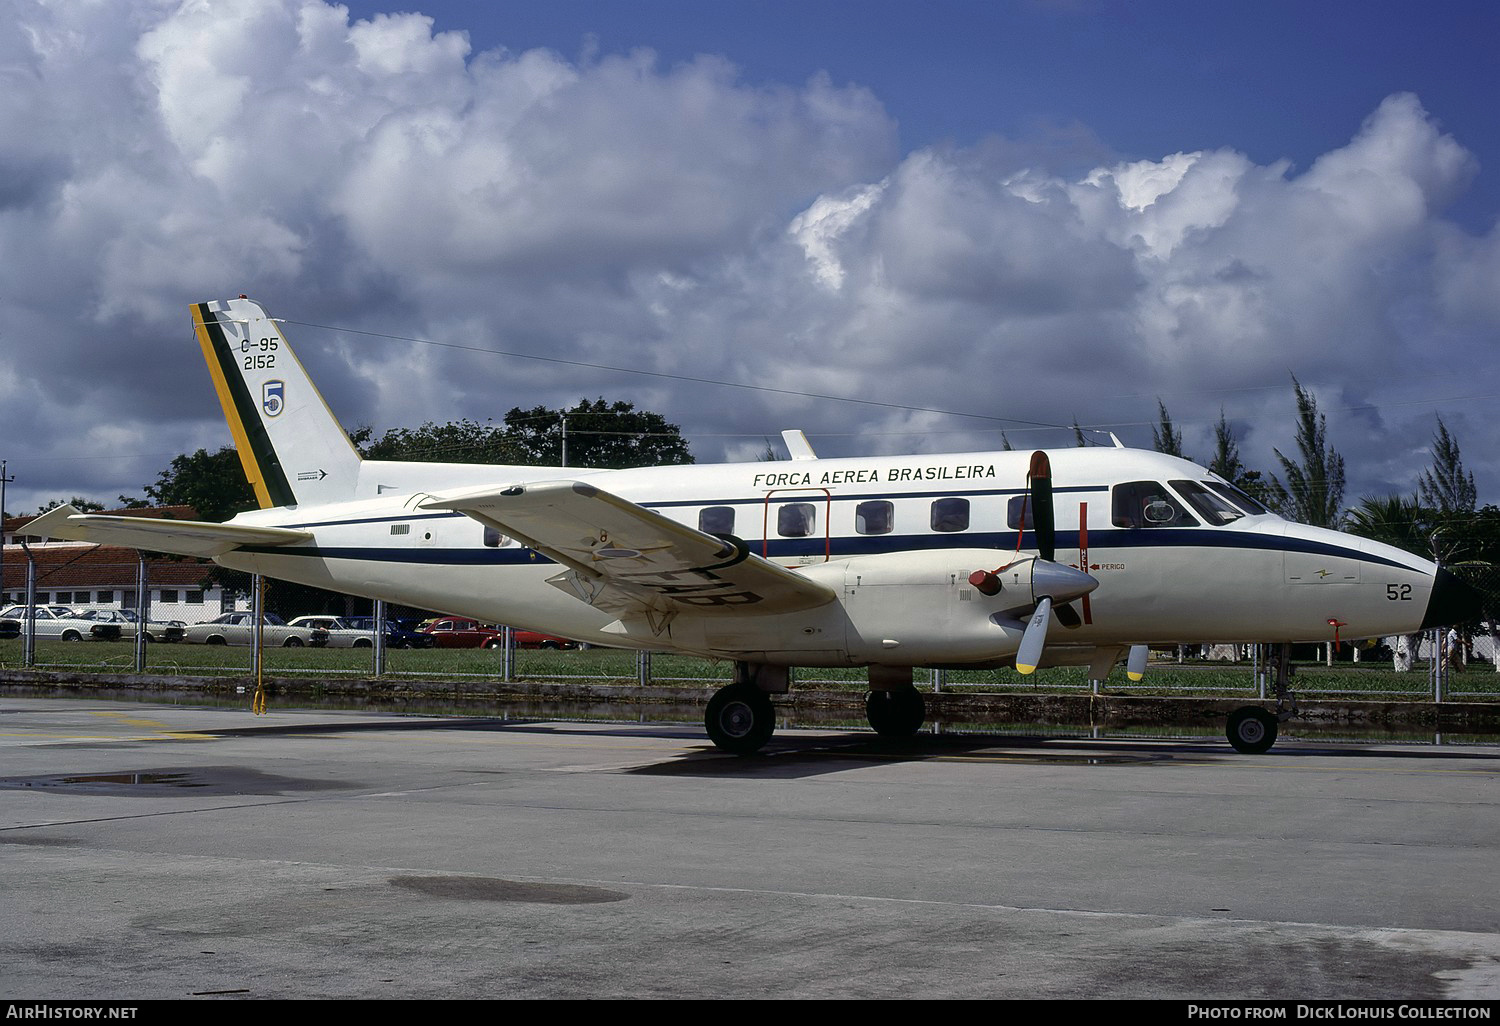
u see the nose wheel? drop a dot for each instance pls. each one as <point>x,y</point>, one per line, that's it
<point>1251,729</point>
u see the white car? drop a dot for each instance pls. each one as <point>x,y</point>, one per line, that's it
<point>341,633</point>
<point>127,619</point>
<point>59,622</point>
<point>237,628</point>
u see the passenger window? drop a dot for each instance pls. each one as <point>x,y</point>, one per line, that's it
<point>874,517</point>
<point>1149,504</point>
<point>949,515</point>
<point>797,520</point>
<point>716,520</point>
<point>1018,513</point>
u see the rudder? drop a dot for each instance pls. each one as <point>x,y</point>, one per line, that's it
<point>293,449</point>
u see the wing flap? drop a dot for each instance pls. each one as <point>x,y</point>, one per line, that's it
<point>182,537</point>
<point>631,560</point>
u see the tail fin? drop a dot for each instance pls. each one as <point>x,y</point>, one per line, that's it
<point>293,449</point>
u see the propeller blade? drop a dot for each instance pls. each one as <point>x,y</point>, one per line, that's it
<point>1068,616</point>
<point>1135,663</point>
<point>1035,638</point>
<point>1041,505</point>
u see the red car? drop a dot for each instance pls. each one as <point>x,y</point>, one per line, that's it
<point>458,632</point>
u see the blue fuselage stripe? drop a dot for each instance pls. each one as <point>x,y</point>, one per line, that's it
<point>1100,542</point>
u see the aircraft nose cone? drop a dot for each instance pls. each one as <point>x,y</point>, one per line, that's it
<point>1453,600</point>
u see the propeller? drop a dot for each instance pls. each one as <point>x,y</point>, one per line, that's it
<point>1053,585</point>
<point>1039,477</point>
<point>1035,638</point>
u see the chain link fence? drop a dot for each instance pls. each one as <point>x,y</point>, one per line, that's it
<point>180,600</point>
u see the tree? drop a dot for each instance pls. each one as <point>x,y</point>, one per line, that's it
<point>1164,437</point>
<point>1401,521</point>
<point>1226,462</point>
<point>599,434</point>
<point>1398,520</point>
<point>213,483</point>
<point>1446,487</point>
<point>463,441</point>
<point>78,502</point>
<point>1313,492</point>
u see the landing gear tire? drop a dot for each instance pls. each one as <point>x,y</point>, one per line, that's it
<point>740,719</point>
<point>1251,730</point>
<point>895,714</point>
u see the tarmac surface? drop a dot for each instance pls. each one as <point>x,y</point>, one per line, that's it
<point>153,851</point>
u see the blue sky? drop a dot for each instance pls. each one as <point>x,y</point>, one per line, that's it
<point>1272,78</point>
<point>980,215</point>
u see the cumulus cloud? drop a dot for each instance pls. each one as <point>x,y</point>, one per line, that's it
<point>378,175</point>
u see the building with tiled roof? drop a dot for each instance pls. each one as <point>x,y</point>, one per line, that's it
<point>88,576</point>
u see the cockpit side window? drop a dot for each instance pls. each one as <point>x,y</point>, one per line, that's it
<point>1210,506</point>
<point>1239,498</point>
<point>1149,504</point>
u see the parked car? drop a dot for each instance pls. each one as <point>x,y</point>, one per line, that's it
<point>458,632</point>
<point>128,619</point>
<point>398,633</point>
<point>341,633</point>
<point>535,639</point>
<point>237,628</point>
<point>10,628</point>
<point>62,623</point>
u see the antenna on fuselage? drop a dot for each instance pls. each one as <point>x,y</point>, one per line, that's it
<point>798,445</point>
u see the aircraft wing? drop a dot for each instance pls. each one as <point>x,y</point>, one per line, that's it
<point>633,561</point>
<point>182,537</point>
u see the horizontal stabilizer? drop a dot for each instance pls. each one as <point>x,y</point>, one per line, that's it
<point>182,537</point>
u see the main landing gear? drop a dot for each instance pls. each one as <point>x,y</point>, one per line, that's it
<point>893,706</point>
<point>1252,729</point>
<point>740,717</point>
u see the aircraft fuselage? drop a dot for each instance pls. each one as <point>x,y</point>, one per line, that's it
<point>897,539</point>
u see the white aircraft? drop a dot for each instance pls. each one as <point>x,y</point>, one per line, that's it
<point>965,560</point>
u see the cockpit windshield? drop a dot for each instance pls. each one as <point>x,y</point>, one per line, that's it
<point>1153,504</point>
<point>1212,507</point>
